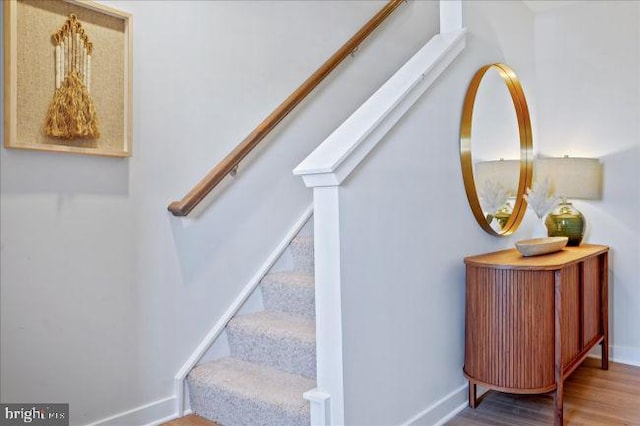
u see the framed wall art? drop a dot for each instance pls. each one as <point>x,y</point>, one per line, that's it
<point>68,77</point>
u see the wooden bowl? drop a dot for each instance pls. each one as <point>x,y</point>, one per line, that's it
<point>538,246</point>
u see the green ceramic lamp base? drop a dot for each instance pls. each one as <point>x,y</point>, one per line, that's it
<point>566,221</point>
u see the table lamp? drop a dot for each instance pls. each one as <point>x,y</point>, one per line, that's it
<point>574,178</point>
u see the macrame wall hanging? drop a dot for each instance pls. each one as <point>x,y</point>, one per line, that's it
<point>71,113</point>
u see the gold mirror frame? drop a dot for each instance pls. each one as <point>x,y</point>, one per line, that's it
<point>526,148</point>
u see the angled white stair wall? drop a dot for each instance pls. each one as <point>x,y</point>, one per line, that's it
<point>334,170</point>
<point>271,359</point>
<point>215,344</point>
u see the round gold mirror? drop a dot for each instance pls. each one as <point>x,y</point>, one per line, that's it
<point>496,116</point>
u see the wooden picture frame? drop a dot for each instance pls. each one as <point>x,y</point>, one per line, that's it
<point>32,70</point>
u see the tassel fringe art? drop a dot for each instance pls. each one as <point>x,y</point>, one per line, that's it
<point>72,113</point>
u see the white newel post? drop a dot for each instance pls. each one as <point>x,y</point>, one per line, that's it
<point>450,16</point>
<point>327,400</point>
<point>327,167</point>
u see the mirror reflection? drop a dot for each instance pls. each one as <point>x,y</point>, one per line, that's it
<point>497,185</point>
<point>496,148</point>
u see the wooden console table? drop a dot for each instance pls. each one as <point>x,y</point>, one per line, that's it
<point>530,321</point>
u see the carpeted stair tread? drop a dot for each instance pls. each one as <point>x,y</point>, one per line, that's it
<point>276,324</point>
<point>291,278</point>
<point>275,339</point>
<point>301,248</point>
<point>273,354</point>
<point>235,392</point>
<point>290,292</point>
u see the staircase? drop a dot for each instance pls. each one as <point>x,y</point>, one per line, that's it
<point>273,354</point>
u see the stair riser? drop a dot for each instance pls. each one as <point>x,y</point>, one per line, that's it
<point>291,355</point>
<point>302,252</point>
<point>229,409</point>
<point>254,386</point>
<point>296,301</point>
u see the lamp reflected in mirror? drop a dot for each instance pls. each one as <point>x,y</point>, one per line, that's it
<point>570,178</point>
<point>495,121</point>
<point>497,184</point>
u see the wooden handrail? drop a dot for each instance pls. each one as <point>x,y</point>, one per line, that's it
<point>231,161</point>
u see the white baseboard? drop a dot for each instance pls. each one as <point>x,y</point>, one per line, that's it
<point>441,411</point>
<point>169,418</point>
<point>147,414</point>
<point>619,354</point>
<point>444,410</point>
<point>625,355</point>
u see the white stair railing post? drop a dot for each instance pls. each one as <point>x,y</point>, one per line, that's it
<point>327,400</point>
<point>326,168</point>
<point>450,16</point>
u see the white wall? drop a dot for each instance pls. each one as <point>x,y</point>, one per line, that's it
<point>588,80</point>
<point>103,294</point>
<point>406,227</point>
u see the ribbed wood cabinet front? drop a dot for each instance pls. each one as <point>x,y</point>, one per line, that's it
<point>530,321</point>
<point>509,329</point>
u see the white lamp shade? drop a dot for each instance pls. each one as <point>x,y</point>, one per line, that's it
<point>570,177</point>
<point>506,172</point>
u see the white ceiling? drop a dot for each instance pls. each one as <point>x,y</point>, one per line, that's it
<point>543,5</point>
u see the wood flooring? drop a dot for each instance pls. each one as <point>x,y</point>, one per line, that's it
<point>593,397</point>
<point>190,420</point>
